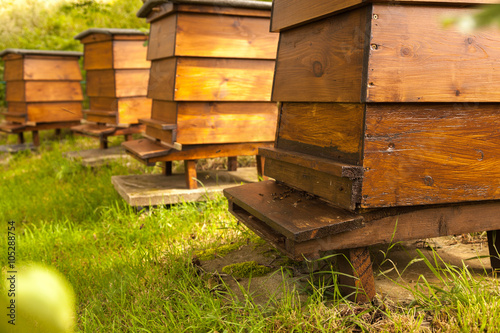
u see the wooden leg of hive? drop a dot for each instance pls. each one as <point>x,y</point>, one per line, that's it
<point>167,171</point>
<point>20,137</point>
<point>58,132</point>
<point>128,137</point>
<point>494,248</point>
<point>190,171</point>
<point>103,142</point>
<point>36,138</point>
<point>261,161</point>
<point>232,163</point>
<point>357,279</point>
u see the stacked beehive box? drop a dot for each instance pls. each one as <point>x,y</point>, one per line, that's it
<point>43,91</point>
<point>211,81</point>
<point>117,82</point>
<point>384,112</point>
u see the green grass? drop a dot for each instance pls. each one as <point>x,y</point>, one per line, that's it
<point>134,272</point>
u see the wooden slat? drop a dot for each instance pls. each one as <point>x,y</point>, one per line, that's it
<point>19,118</point>
<point>94,129</point>
<point>103,103</point>
<point>164,111</point>
<point>51,69</point>
<point>201,79</point>
<point>330,130</point>
<point>323,61</point>
<point>226,122</point>
<point>162,38</point>
<point>98,56</point>
<point>290,13</point>
<point>15,91</point>
<point>162,79</point>
<point>144,148</point>
<point>13,70</point>
<point>206,35</point>
<point>419,154</point>
<point>53,91</point>
<point>342,192</point>
<point>130,55</point>
<point>54,111</point>
<point>311,162</point>
<point>459,67</point>
<point>165,136</point>
<point>101,83</point>
<point>157,124</point>
<point>290,212</point>
<point>97,116</point>
<point>17,107</point>
<point>224,10</point>
<point>131,82</point>
<point>197,152</point>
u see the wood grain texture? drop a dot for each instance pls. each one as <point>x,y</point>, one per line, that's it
<point>342,192</point>
<point>131,109</point>
<point>357,281</point>
<point>162,34</point>
<point>143,149</point>
<point>164,111</point>
<point>204,123</point>
<point>162,79</point>
<point>205,35</point>
<point>190,173</point>
<point>104,117</point>
<point>98,56</point>
<point>202,79</point>
<point>13,70</point>
<point>36,68</point>
<point>130,55</point>
<point>17,107</point>
<point>430,153</point>
<point>43,91</point>
<point>167,136</point>
<point>290,213</point>
<point>224,10</point>
<point>54,112</point>
<point>289,13</point>
<point>415,62</point>
<point>103,103</point>
<point>323,61</point>
<point>330,130</point>
<point>131,82</point>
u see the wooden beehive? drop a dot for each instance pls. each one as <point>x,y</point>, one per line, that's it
<point>117,75</point>
<point>211,80</point>
<point>384,113</point>
<point>42,86</point>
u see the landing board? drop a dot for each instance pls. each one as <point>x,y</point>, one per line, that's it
<point>154,190</point>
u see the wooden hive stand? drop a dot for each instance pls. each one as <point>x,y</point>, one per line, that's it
<point>387,131</point>
<point>117,83</point>
<point>211,80</point>
<point>43,91</point>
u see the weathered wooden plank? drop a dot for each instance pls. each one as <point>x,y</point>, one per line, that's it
<point>54,111</point>
<point>167,136</point>
<point>98,116</point>
<point>323,61</point>
<point>98,56</point>
<point>357,279</point>
<point>162,79</point>
<point>418,154</point>
<point>131,82</point>
<point>190,173</point>
<point>144,149</point>
<point>290,13</point>
<point>157,124</point>
<point>13,70</point>
<point>19,118</point>
<point>101,83</point>
<point>164,111</point>
<point>292,213</point>
<point>204,79</point>
<point>130,54</point>
<point>15,91</point>
<point>206,35</point>
<point>131,109</point>
<point>226,122</point>
<point>330,130</point>
<point>103,103</point>
<point>340,191</point>
<point>459,67</point>
<point>224,10</point>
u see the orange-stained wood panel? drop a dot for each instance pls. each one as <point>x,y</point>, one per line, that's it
<point>164,111</point>
<point>418,154</point>
<point>323,61</point>
<point>13,70</point>
<point>131,82</point>
<point>206,123</point>
<point>131,109</point>
<point>98,56</point>
<point>162,38</point>
<point>52,91</point>
<point>130,55</point>
<point>162,79</point>
<point>36,68</point>
<point>54,112</point>
<point>205,35</point>
<point>415,62</point>
<point>201,79</point>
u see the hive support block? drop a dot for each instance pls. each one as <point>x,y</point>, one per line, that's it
<point>167,170</point>
<point>190,171</point>
<point>128,137</point>
<point>494,249</point>
<point>36,138</point>
<point>103,142</point>
<point>58,132</point>
<point>232,163</point>
<point>20,138</point>
<point>356,278</point>
<point>261,161</point>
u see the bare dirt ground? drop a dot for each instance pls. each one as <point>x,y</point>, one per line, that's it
<point>396,270</point>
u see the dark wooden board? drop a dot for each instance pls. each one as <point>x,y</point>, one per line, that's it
<point>158,124</point>
<point>292,213</point>
<point>144,149</point>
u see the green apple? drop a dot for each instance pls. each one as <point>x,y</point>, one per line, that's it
<point>39,300</point>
